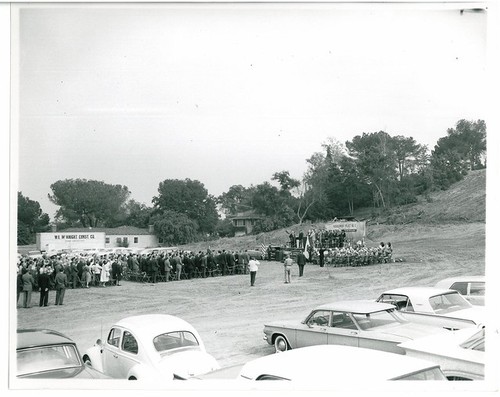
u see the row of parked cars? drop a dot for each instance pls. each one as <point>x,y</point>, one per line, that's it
<point>436,334</point>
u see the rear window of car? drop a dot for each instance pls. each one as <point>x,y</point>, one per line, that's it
<point>47,358</point>
<point>402,302</point>
<point>174,340</point>
<point>448,303</point>
<point>460,286</point>
<point>477,289</point>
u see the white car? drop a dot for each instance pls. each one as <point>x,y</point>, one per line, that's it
<point>332,365</point>
<point>460,354</point>
<point>431,300</point>
<point>154,346</point>
<point>471,287</point>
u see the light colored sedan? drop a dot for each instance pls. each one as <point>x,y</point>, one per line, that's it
<point>356,323</point>
<point>155,346</point>
<point>460,354</point>
<point>331,366</point>
<point>471,287</point>
<point>431,300</point>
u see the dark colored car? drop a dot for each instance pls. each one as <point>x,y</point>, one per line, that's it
<point>44,353</point>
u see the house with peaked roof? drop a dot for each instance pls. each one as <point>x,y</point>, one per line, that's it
<point>244,222</point>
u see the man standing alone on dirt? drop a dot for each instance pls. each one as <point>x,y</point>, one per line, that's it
<point>301,261</point>
<point>288,267</point>
<point>253,266</point>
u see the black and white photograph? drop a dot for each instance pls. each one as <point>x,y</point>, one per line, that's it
<point>209,196</point>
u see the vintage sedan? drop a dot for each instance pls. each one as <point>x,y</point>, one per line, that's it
<point>471,287</point>
<point>153,346</point>
<point>431,300</point>
<point>358,323</point>
<point>460,354</point>
<point>48,354</point>
<point>330,366</point>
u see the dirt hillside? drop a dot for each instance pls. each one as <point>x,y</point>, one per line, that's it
<point>464,202</point>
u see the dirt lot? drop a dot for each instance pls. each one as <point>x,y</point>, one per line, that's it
<point>229,314</point>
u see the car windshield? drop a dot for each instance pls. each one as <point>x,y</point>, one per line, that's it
<point>425,374</point>
<point>47,358</point>
<point>175,340</point>
<point>448,303</point>
<point>383,318</point>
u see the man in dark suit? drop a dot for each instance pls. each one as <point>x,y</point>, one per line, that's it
<point>61,283</point>
<point>44,285</point>
<point>321,257</point>
<point>230,260</point>
<point>221,260</point>
<point>301,261</point>
<point>301,239</point>
<point>155,267</point>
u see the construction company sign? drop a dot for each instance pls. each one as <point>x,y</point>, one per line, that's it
<point>70,241</point>
<point>354,230</point>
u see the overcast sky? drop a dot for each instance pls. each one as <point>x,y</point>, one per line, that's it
<point>230,94</point>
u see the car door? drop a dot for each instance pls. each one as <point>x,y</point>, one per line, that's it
<point>314,331</point>
<point>342,330</point>
<point>110,354</point>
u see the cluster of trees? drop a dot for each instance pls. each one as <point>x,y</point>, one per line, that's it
<point>30,220</point>
<point>372,170</point>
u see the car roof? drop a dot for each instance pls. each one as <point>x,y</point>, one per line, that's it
<point>356,306</point>
<point>445,283</point>
<point>346,363</point>
<point>152,325</point>
<point>39,337</point>
<point>419,291</point>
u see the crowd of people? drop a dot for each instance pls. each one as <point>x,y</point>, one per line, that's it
<point>62,271</point>
<point>335,238</point>
<point>355,255</point>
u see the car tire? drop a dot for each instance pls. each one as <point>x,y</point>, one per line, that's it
<point>281,344</point>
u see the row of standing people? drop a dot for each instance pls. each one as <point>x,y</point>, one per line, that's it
<point>61,272</point>
<point>178,264</point>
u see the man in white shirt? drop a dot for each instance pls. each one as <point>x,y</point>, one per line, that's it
<point>288,267</point>
<point>253,266</point>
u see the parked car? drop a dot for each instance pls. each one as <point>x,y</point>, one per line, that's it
<point>460,354</point>
<point>152,346</point>
<point>471,287</point>
<point>255,253</point>
<point>356,323</point>
<point>431,300</point>
<point>332,366</point>
<point>44,353</point>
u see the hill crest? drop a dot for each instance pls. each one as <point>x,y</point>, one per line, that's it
<point>463,202</point>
